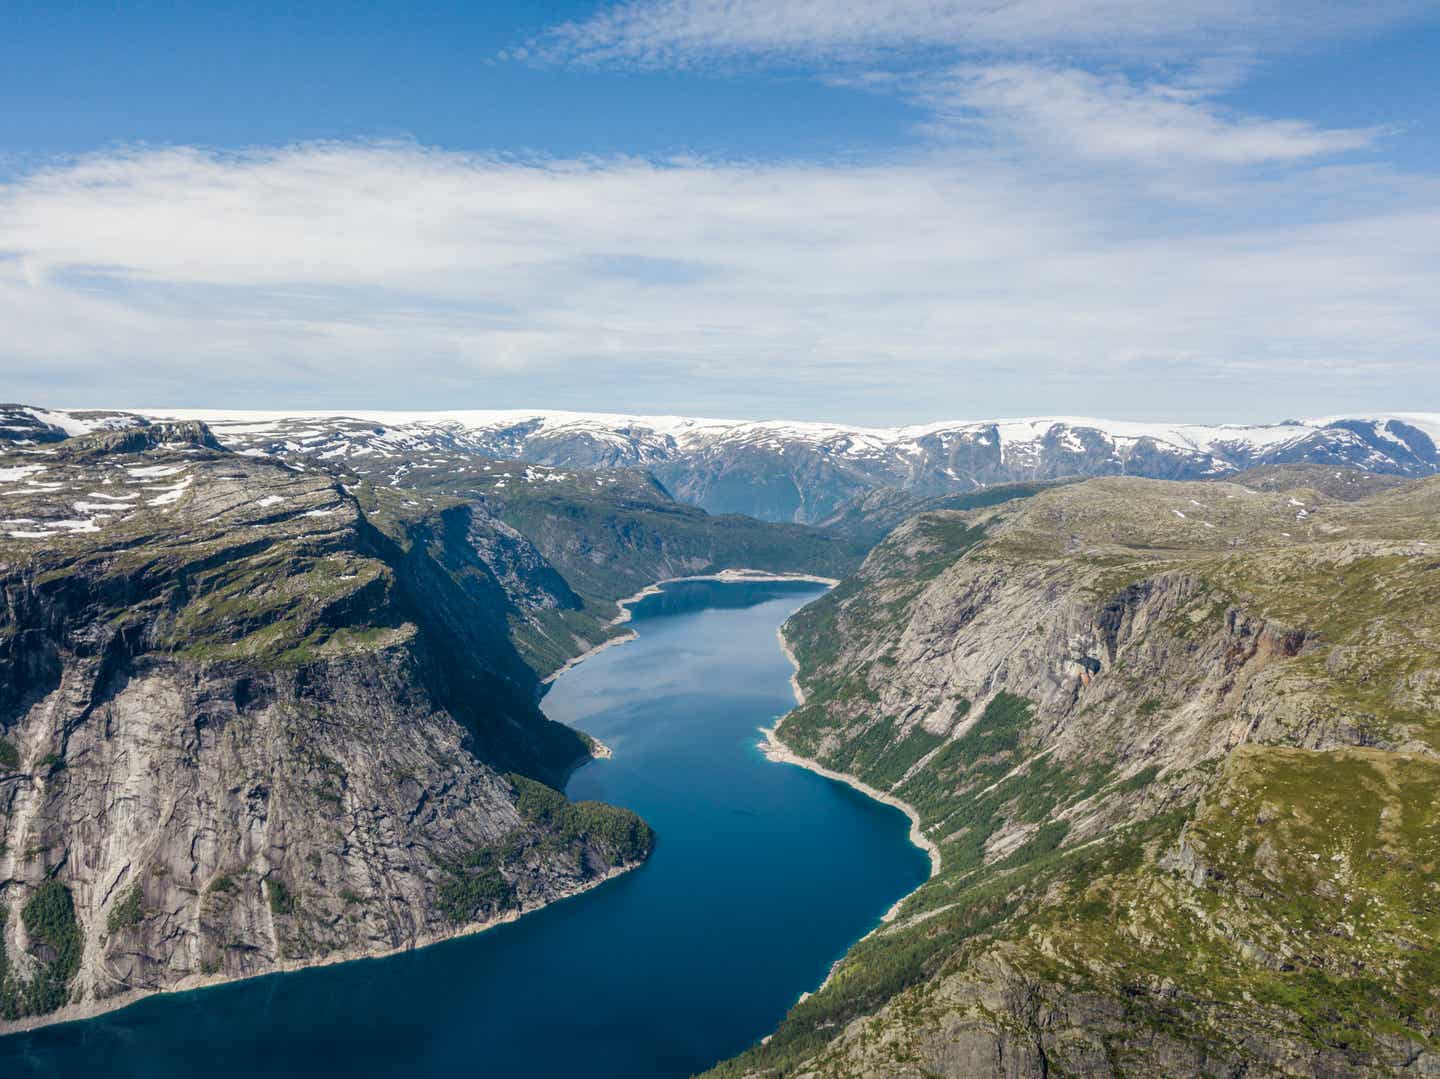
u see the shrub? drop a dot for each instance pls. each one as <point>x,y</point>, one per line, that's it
<point>126,913</point>
<point>49,917</point>
<point>281,901</point>
<point>467,892</point>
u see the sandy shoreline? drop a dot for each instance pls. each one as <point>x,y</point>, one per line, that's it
<point>794,683</point>
<point>777,751</point>
<point>608,642</point>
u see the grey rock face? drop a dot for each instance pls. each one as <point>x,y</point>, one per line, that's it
<point>249,726</point>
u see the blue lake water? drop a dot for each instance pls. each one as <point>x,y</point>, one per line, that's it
<point>763,875</point>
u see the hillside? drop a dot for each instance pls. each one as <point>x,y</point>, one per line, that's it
<point>1179,747</point>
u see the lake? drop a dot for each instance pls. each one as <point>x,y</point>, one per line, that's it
<point>763,875</point>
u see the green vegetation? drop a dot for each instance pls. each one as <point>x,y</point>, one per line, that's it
<point>476,886</point>
<point>9,755</point>
<point>872,516</point>
<point>55,942</point>
<point>1314,841</point>
<point>127,913</point>
<point>279,896</point>
<point>474,890</point>
<point>224,884</point>
<point>1267,896</point>
<point>616,835</point>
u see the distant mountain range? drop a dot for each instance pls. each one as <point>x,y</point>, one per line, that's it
<point>787,471</point>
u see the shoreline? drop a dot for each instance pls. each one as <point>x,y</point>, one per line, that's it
<point>776,750</point>
<point>794,679</point>
<point>734,576</point>
<point>731,575</point>
<point>608,642</point>
<point>92,1009</point>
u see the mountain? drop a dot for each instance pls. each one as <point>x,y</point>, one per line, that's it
<point>806,472</point>
<point>256,715</point>
<point>1177,747</point>
<point>28,426</point>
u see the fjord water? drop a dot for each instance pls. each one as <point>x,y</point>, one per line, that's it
<point>763,874</point>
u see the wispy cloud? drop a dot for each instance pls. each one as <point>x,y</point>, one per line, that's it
<point>632,283</point>
<point>1106,80</point>
<point>682,33</point>
<point>1113,118</point>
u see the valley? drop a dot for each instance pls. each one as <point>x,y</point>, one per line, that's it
<point>272,703</point>
<point>661,971</point>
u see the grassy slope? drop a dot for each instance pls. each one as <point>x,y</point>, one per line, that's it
<point>1271,888</point>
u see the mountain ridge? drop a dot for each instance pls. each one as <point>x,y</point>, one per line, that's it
<point>805,472</point>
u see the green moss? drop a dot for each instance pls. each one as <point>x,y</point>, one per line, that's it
<point>224,884</point>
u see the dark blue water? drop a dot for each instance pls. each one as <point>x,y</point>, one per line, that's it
<point>762,876</point>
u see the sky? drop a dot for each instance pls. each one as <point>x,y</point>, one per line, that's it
<point>866,211</point>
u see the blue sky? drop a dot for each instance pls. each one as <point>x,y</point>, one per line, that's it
<point>883,211</point>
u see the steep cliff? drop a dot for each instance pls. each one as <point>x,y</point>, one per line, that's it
<point>246,724</point>
<point>1179,748</point>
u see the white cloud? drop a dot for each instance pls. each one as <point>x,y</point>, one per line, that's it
<point>1105,80</point>
<point>679,33</point>
<point>1111,117</point>
<point>274,275</point>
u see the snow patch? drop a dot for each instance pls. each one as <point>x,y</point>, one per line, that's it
<point>19,472</point>
<point>171,494</point>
